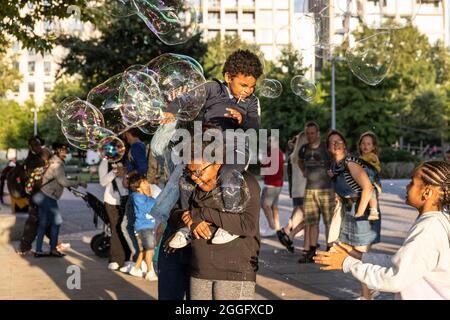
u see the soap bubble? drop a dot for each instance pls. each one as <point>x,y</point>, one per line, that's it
<point>173,22</point>
<point>64,107</point>
<point>370,58</point>
<point>106,95</point>
<point>95,134</point>
<point>111,148</point>
<point>232,191</point>
<point>270,88</point>
<point>82,114</point>
<point>303,88</point>
<point>181,84</point>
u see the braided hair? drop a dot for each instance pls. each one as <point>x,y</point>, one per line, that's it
<point>437,174</point>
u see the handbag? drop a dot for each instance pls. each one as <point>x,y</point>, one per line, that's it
<point>335,225</point>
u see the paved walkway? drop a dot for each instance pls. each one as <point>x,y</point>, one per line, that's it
<point>280,276</point>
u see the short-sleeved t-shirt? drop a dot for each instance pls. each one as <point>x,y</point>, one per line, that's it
<point>317,162</point>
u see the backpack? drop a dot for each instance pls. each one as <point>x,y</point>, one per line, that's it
<point>16,180</point>
<point>34,181</point>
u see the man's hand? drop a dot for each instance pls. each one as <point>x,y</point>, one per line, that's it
<point>202,230</point>
<point>233,113</point>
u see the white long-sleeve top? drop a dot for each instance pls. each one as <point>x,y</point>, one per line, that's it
<point>421,267</point>
<point>106,178</point>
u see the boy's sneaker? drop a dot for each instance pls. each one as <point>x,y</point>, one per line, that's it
<point>373,214</point>
<point>222,236</point>
<point>127,267</point>
<point>144,267</point>
<point>151,276</point>
<point>181,239</point>
<point>136,273</point>
<point>113,266</point>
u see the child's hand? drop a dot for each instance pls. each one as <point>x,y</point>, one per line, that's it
<point>233,113</point>
<point>202,230</point>
<point>330,173</point>
<point>186,217</point>
<point>359,214</point>
<point>175,93</point>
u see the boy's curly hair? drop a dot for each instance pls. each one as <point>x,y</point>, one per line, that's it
<point>245,62</point>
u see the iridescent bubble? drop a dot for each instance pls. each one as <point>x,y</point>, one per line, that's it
<point>82,114</point>
<point>301,33</point>
<point>140,97</point>
<point>95,134</point>
<point>82,145</point>
<point>270,88</point>
<point>111,148</point>
<point>232,191</point>
<point>106,95</point>
<point>173,22</point>
<point>64,107</point>
<point>303,88</point>
<point>181,84</point>
<point>370,58</point>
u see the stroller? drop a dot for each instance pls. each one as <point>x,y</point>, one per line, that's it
<point>100,243</point>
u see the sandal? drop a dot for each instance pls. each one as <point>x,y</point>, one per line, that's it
<point>284,238</point>
<point>40,254</point>
<point>57,254</point>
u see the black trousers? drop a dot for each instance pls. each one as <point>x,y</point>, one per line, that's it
<point>30,228</point>
<point>119,247</point>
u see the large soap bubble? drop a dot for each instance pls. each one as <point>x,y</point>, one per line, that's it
<point>82,114</point>
<point>173,22</point>
<point>181,84</point>
<point>370,58</point>
<point>303,88</point>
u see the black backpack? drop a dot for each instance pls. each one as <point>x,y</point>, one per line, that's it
<point>16,180</point>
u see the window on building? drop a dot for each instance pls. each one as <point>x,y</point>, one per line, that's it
<point>248,3</point>
<point>31,67</point>
<point>230,3</point>
<point>214,17</point>
<point>16,65</point>
<point>16,88</point>
<point>213,3</point>
<point>264,18</point>
<point>16,46</point>
<point>248,17</point>
<point>248,36</point>
<point>31,87</point>
<point>231,33</point>
<point>212,34</point>
<point>47,86</point>
<point>47,68</point>
<point>31,52</point>
<point>231,18</point>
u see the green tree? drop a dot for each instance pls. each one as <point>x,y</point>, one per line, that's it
<point>8,75</point>
<point>17,124</point>
<point>123,42</point>
<point>22,20</point>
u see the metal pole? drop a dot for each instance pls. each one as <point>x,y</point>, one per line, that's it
<point>333,98</point>
<point>35,121</point>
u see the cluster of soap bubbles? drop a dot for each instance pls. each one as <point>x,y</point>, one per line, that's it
<point>170,87</point>
<point>369,65</point>
<point>172,21</point>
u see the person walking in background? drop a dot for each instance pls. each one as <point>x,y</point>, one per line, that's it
<point>272,185</point>
<point>53,183</point>
<point>110,176</point>
<point>297,184</point>
<point>314,161</point>
<point>11,165</point>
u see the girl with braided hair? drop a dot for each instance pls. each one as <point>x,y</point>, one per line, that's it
<point>421,267</point>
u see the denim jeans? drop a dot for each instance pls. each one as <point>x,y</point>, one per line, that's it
<point>49,216</point>
<point>168,196</point>
<point>128,230</point>
<point>174,271</point>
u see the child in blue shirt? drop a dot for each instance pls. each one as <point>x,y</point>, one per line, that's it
<point>144,225</point>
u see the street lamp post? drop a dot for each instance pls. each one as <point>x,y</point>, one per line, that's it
<point>35,111</point>
<point>333,90</point>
